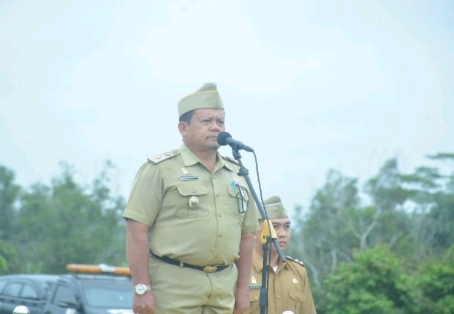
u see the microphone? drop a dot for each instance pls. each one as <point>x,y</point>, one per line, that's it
<point>225,138</point>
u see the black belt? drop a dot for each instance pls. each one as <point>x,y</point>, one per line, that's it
<point>206,269</point>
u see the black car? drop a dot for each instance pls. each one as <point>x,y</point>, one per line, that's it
<point>92,289</point>
<point>32,291</point>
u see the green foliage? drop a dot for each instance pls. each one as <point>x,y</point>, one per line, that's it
<point>68,223</point>
<point>374,282</point>
<point>326,235</point>
<point>8,258</point>
<point>387,248</point>
<point>411,214</point>
<point>434,196</point>
<point>441,220</point>
<point>2,265</point>
<point>386,188</point>
<point>442,156</point>
<point>435,284</point>
<point>9,193</point>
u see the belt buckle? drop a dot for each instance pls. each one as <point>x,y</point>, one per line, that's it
<point>210,269</point>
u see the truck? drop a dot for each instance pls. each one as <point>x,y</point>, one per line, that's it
<point>91,289</point>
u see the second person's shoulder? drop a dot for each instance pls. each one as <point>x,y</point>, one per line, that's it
<point>294,261</point>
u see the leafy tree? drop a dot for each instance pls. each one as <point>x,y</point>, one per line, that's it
<point>435,283</point>
<point>386,188</point>
<point>374,282</point>
<point>8,258</point>
<point>337,223</point>
<point>391,222</point>
<point>441,215</point>
<point>9,194</point>
<point>67,223</point>
<point>411,214</point>
<point>324,238</point>
<point>432,201</point>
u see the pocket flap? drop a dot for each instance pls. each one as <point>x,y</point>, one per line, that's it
<point>296,295</point>
<point>188,190</point>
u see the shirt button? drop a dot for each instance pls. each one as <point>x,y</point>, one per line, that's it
<point>220,215</point>
<point>278,296</point>
<point>217,195</point>
<point>220,235</point>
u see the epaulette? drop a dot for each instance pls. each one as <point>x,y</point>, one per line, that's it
<point>164,156</point>
<point>295,260</point>
<point>230,159</point>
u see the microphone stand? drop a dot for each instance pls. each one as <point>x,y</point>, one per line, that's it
<point>268,235</point>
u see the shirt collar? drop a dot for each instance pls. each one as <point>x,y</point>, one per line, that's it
<point>189,159</point>
<point>257,262</point>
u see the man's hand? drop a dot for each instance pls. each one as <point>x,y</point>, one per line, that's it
<point>242,301</point>
<point>144,304</point>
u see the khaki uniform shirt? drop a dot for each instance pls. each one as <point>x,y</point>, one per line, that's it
<point>288,288</point>
<point>196,216</point>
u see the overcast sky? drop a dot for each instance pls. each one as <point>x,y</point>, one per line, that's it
<point>310,85</point>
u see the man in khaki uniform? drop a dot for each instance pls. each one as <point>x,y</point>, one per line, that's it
<point>288,288</point>
<point>191,221</point>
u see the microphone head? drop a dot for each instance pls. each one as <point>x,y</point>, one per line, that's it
<point>222,138</point>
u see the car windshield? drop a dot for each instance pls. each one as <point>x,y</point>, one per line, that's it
<point>108,294</point>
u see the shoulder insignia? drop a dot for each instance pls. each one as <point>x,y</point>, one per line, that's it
<point>164,156</point>
<point>295,260</point>
<point>230,159</point>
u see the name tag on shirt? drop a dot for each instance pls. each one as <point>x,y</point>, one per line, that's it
<point>188,178</point>
<point>255,287</point>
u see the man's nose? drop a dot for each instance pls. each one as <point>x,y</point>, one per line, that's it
<point>280,232</point>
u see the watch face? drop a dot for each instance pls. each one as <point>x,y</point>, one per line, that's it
<point>141,289</point>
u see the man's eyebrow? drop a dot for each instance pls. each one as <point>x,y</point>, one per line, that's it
<point>281,223</point>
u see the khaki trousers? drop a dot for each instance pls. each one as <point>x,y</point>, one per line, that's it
<point>180,290</point>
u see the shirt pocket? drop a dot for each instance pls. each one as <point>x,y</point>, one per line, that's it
<point>238,201</point>
<point>192,201</point>
<point>254,297</point>
<point>297,299</point>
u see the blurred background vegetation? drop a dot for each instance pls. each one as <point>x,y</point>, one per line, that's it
<point>384,247</point>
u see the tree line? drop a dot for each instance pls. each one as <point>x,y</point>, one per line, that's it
<point>384,247</point>
<point>45,227</point>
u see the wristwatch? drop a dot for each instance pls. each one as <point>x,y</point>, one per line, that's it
<point>141,289</point>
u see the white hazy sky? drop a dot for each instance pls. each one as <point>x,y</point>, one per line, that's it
<point>310,85</point>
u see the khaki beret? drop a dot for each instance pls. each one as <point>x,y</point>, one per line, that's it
<point>274,208</point>
<point>206,97</point>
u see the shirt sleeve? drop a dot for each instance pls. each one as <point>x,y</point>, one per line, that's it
<point>145,198</point>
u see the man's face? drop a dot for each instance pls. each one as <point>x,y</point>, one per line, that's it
<point>283,233</point>
<point>203,130</point>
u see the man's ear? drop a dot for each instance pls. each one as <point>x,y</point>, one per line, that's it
<point>183,128</point>
<point>257,234</point>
